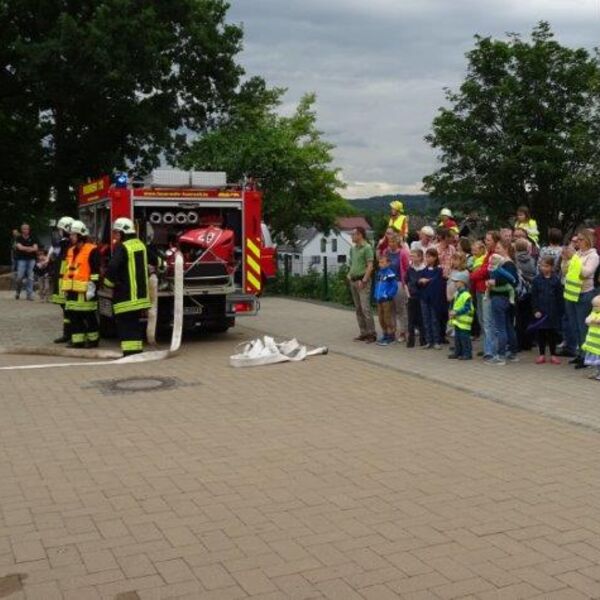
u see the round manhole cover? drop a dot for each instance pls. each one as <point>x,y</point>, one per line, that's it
<point>139,384</point>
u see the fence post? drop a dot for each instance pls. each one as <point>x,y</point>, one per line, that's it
<point>325,280</point>
<point>286,274</point>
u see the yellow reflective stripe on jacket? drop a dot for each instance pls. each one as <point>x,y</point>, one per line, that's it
<point>131,345</point>
<point>130,305</point>
<point>81,304</point>
<point>465,321</point>
<point>573,282</point>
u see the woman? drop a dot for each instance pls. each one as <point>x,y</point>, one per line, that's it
<point>399,261</point>
<point>525,222</point>
<point>579,269</point>
<point>553,249</point>
<point>501,284</point>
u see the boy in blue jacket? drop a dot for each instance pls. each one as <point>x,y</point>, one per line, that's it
<point>386,288</point>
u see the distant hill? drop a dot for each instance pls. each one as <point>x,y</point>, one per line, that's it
<point>413,203</point>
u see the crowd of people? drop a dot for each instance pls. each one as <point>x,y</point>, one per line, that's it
<point>452,286</point>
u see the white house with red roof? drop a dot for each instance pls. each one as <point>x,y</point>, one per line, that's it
<point>312,248</point>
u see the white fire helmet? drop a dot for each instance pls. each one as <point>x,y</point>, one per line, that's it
<point>79,227</point>
<point>124,225</point>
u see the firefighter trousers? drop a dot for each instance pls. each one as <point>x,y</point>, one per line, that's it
<point>83,320</point>
<point>129,328</point>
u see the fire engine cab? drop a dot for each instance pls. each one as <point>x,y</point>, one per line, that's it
<point>227,249</point>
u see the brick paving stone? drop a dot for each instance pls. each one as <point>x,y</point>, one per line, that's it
<point>291,481</point>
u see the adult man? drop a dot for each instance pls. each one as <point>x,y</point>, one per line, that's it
<point>359,276</point>
<point>398,220</point>
<point>128,276</point>
<point>447,221</point>
<point>426,239</point>
<point>58,262</point>
<point>79,286</point>
<point>26,248</point>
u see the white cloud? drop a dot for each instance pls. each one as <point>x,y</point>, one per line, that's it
<point>365,189</point>
<point>379,68</point>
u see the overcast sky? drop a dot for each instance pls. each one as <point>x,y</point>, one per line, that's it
<point>379,68</point>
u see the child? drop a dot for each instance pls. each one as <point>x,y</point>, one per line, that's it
<point>547,303</point>
<point>386,288</point>
<point>415,320</point>
<point>592,340</point>
<point>461,314</point>
<point>433,299</point>
<point>42,276</point>
<point>527,270</point>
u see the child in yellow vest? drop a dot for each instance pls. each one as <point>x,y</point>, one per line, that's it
<point>592,340</point>
<point>461,316</point>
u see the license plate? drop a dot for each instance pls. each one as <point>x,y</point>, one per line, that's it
<point>193,310</point>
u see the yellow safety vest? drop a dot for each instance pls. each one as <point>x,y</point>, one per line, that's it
<point>573,282</point>
<point>400,223</point>
<point>592,340</point>
<point>531,227</point>
<point>478,261</point>
<point>465,321</point>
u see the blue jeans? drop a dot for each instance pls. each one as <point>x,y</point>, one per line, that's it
<point>431,323</point>
<point>25,272</point>
<point>462,343</point>
<point>504,328</point>
<point>484,308</point>
<point>568,335</point>
<point>576,314</point>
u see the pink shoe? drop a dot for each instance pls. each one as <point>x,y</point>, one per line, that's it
<point>540,360</point>
<point>555,360</point>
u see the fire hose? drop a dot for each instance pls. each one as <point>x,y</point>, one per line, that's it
<point>118,358</point>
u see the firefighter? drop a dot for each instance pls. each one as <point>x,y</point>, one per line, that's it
<point>59,266</point>
<point>127,274</point>
<point>79,285</point>
<point>398,220</point>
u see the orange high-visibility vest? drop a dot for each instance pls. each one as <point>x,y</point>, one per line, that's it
<point>78,273</point>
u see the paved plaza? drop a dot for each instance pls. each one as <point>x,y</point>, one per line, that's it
<point>370,473</point>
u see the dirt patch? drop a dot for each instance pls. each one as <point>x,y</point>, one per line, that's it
<point>9,584</point>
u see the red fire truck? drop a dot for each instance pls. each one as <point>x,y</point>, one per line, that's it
<point>227,249</point>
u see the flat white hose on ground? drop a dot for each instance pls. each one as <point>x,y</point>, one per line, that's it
<point>266,351</point>
<point>153,310</point>
<point>120,359</point>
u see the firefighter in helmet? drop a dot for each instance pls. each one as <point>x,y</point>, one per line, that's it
<point>58,260</point>
<point>127,274</point>
<point>79,285</point>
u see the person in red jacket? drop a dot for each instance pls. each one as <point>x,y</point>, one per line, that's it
<point>479,276</point>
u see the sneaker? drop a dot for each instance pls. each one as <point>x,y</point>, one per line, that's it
<point>401,338</point>
<point>555,360</point>
<point>480,353</point>
<point>360,338</point>
<point>497,361</point>
<point>540,360</point>
<point>465,358</point>
<point>576,360</point>
<point>427,346</point>
<point>369,339</point>
<point>513,358</point>
<point>437,347</point>
<point>383,341</point>
<point>61,340</point>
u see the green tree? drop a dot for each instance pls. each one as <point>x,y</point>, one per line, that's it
<point>287,155</point>
<point>87,87</point>
<point>522,129</point>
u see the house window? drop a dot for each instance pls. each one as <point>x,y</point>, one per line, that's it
<point>315,260</point>
<point>296,257</point>
<point>341,259</point>
<point>334,245</point>
<point>323,244</point>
